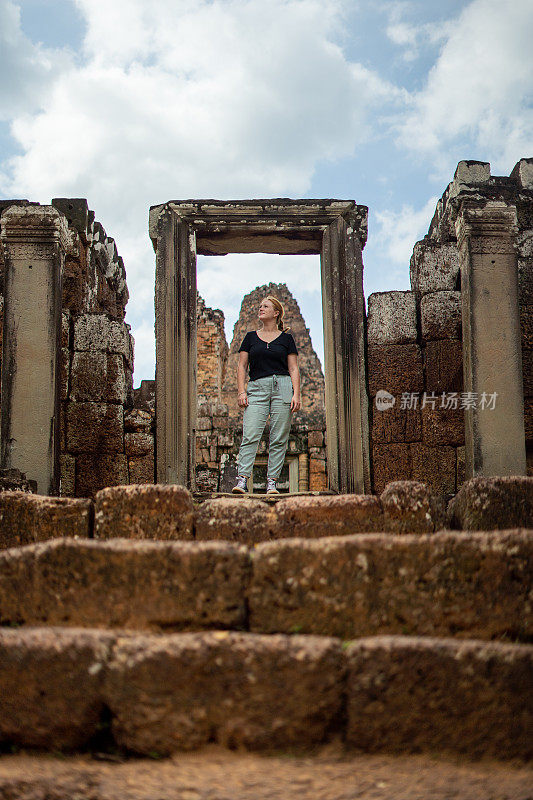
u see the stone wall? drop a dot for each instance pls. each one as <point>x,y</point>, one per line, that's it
<point>100,438</point>
<point>415,347</point>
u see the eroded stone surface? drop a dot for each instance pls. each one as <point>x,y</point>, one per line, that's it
<point>136,585</point>
<point>493,503</point>
<point>408,694</point>
<point>239,519</point>
<point>337,515</point>
<point>391,318</point>
<point>144,512</point>
<point>440,584</point>
<point>50,686</point>
<point>27,518</point>
<point>179,692</point>
<point>411,507</point>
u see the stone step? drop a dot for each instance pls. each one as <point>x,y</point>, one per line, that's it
<point>216,774</point>
<point>158,694</point>
<point>468,585</point>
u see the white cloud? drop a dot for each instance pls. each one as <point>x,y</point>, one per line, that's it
<point>399,230</point>
<point>413,38</point>
<point>26,68</point>
<point>190,98</point>
<point>480,88</point>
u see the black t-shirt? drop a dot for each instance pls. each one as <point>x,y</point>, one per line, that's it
<point>268,358</point>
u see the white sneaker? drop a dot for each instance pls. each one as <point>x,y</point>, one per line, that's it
<point>240,486</point>
<point>271,486</point>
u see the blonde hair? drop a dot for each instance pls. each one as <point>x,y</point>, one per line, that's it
<point>278,307</point>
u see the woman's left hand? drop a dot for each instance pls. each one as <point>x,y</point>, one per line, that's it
<point>296,403</point>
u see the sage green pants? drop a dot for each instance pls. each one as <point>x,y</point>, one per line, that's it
<point>266,396</point>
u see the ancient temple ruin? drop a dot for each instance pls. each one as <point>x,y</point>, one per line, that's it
<point>70,415</point>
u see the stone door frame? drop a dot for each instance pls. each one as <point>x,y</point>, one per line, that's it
<point>334,229</point>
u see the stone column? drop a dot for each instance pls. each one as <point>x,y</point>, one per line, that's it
<point>492,356</point>
<point>34,239</point>
<point>175,314</point>
<point>344,351</point>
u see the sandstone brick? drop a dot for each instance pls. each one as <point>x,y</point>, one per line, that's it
<point>446,583</point>
<point>318,482</point>
<point>528,418</point>
<point>396,424</point>
<point>333,515</point>
<point>96,471</point>
<point>441,315</point>
<point>460,466</point>
<point>434,466</point>
<point>390,462</point>
<point>391,318</point>
<point>315,438</point>
<point>234,519</point>
<point>443,425</point>
<point>395,368</point>
<point>98,377</point>
<point>527,372</point>
<point>50,681</point>
<point>138,443</point>
<point>493,503</point>
<point>204,424</point>
<point>137,421</point>
<point>26,518</point>
<point>141,469</point>
<point>411,507</point>
<point>99,332</point>
<point>65,329</point>
<point>444,366</point>
<point>94,428</point>
<point>68,475</point>
<point>409,695</point>
<point>240,690</point>
<point>525,281</point>
<point>221,423</point>
<point>434,266</point>
<point>144,512</point>
<point>64,372</point>
<point>134,585</point>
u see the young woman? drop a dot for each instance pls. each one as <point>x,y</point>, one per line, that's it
<point>273,388</point>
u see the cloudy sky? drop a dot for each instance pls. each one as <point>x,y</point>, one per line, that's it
<point>130,103</point>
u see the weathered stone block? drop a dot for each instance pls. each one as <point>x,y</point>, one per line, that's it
<point>315,439</point>
<point>94,428</point>
<point>96,471</point>
<point>391,318</point>
<point>390,462</point>
<point>312,517</point>
<point>68,475</point>
<point>138,443</point>
<point>395,368</point>
<point>528,418</point>
<point>443,425</point>
<point>525,281</point>
<point>50,686</point>
<point>526,326</point>
<point>234,519</point>
<point>134,585</point>
<point>241,690</point>
<point>434,266</point>
<point>493,503</point>
<point>444,366</point>
<point>99,332</point>
<point>137,421</point>
<point>527,372</point>
<point>460,466</point>
<point>441,315</point>
<point>470,585</point>
<point>27,518</point>
<point>144,512</point>
<point>410,695</point>
<point>396,424</point>
<point>434,466</point>
<point>64,372</point>
<point>204,424</point>
<point>98,377</point>
<point>65,329</point>
<point>411,507</point>
<point>523,173</point>
<point>141,469</point>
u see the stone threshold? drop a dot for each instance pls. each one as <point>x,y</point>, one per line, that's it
<point>199,497</point>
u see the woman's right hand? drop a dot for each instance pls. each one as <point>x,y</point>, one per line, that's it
<point>243,400</point>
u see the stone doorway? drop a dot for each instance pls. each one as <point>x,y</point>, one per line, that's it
<point>336,230</point>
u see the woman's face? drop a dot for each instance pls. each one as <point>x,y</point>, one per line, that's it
<point>267,311</point>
